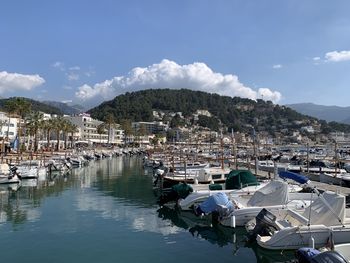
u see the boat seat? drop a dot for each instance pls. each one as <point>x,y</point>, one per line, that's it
<point>283,224</point>
<point>291,218</point>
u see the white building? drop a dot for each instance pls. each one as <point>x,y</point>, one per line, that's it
<point>87,130</point>
<point>8,126</point>
<point>308,129</point>
<point>150,127</point>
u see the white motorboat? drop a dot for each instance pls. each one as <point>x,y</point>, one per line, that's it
<point>199,196</point>
<point>9,179</point>
<point>201,176</point>
<point>326,218</point>
<point>239,182</point>
<point>267,166</point>
<point>273,196</point>
<point>337,179</point>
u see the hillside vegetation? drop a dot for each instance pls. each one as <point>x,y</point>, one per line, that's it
<point>232,113</point>
<point>35,106</point>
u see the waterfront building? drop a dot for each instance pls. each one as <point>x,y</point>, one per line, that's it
<point>150,127</point>
<point>87,128</point>
<point>8,126</point>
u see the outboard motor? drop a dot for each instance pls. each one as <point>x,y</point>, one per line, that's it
<point>13,171</point>
<point>264,224</point>
<point>330,257</point>
<point>310,255</point>
<point>305,254</point>
<point>158,175</point>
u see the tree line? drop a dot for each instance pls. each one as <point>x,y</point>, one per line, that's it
<point>236,113</point>
<point>35,124</point>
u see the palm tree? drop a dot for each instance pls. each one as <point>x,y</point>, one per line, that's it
<point>101,129</point>
<point>3,137</point>
<point>110,123</point>
<point>20,107</point>
<point>68,127</point>
<point>34,122</point>
<point>128,131</point>
<point>65,128</point>
<point>73,128</point>
<point>58,124</point>
<point>48,126</point>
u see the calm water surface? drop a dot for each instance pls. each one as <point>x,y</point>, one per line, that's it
<point>106,212</point>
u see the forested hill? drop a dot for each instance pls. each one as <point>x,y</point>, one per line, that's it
<point>35,106</point>
<point>64,107</point>
<point>237,113</point>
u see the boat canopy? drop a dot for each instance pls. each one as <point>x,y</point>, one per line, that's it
<point>328,209</point>
<point>238,179</point>
<point>274,193</point>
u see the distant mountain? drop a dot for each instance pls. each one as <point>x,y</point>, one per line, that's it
<point>65,108</point>
<point>36,106</point>
<point>235,113</point>
<point>328,113</point>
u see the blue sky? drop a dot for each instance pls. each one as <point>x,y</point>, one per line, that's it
<point>88,51</point>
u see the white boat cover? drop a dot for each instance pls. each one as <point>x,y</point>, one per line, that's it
<point>327,209</point>
<point>274,193</point>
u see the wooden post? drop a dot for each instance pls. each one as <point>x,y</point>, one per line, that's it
<point>336,159</point>
<point>307,157</point>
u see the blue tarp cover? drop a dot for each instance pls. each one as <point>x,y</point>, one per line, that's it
<point>299,178</point>
<point>214,201</point>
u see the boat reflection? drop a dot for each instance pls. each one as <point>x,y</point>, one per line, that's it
<point>222,236</point>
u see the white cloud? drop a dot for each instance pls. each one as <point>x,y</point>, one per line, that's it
<point>168,74</point>
<point>16,81</point>
<point>66,101</point>
<point>316,58</point>
<point>278,66</point>
<point>89,73</point>
<point>336,56</point>
<point>74,68</point>
<point>72,76</point>
<point>59,65</point>
<point>268,94</point>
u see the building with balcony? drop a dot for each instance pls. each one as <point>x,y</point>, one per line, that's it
<point>87,130</point>
<point>8,126</point>
<point>149,127</point>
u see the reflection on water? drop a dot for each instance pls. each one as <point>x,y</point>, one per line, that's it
<point>222,236</point>
<point>111,202</point>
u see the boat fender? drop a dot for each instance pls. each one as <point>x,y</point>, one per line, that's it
<point>233,222</point>
<point>195,181</point>
<point>312,242</point>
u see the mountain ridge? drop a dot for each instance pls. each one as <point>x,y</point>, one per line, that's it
<point>327,113</point>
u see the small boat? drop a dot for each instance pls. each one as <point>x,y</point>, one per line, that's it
<point>273,196</point>
<point>326,217</point>
<point>194,176</point>
<point>238,181</point>
<point>9,179</point>
<point>336,179</point>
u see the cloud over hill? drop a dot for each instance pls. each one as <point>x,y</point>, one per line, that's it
<point>169,74</point>
<point>18,82</point>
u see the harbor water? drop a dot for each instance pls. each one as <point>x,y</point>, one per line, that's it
<point>107,212</point>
